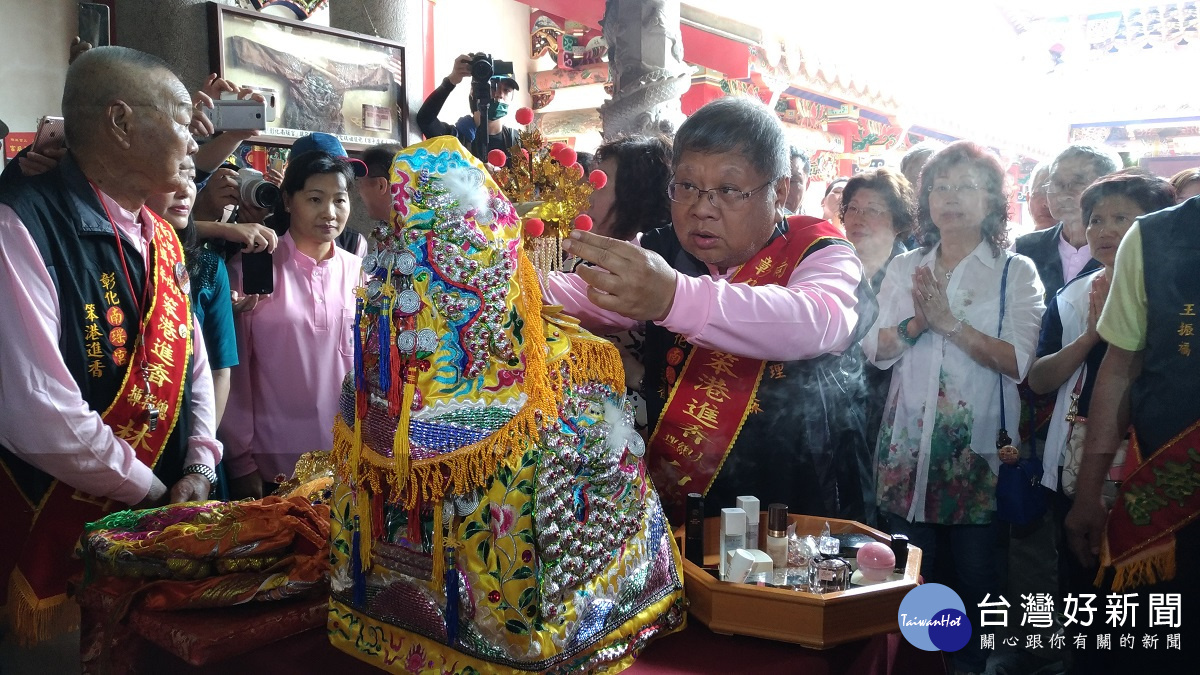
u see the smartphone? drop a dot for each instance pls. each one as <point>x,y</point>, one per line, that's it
<point>269,100</point>
<point>94,24</point>
<point>49,135</point>
<point>258,274</point>
<point>229,115</point>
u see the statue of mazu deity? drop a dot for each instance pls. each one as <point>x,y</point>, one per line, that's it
<point>491,512</point>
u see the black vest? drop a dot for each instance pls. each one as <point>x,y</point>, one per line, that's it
<point>1166,397</point>
<point>63,215</point>
<point>807,448</point>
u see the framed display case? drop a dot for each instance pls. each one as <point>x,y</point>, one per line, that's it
<point>321,79</point>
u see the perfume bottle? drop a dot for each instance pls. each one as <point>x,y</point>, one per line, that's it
<point>830,574</point>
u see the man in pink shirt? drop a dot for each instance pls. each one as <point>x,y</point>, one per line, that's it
<point>748,315</point>
<point>106,391</point>
<point>1061,252</point>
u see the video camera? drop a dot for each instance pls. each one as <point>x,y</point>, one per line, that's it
<point>484,68</point>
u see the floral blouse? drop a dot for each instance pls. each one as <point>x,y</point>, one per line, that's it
<point>936,457</point>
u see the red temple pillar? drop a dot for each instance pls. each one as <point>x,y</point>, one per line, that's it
<point>847,129</point>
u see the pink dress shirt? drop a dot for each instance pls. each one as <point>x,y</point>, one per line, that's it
<point>1073,259</point>
<point>813,315</point>
<point>45,420</point>
<point>294,349</point>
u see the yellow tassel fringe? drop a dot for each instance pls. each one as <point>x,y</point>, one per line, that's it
<point>35,620</point>
<point>1147,567</point>
<point>401,452</point>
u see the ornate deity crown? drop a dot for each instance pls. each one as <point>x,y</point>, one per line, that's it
<point>547,184</point>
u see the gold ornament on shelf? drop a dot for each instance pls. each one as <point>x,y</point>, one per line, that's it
<point>549,188</point>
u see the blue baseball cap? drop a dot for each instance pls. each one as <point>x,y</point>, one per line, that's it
<point>505,79</point>
<point>329,145</point>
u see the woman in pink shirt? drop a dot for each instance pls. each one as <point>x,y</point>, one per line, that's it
<point>747,315</point>
<point>295,345</point>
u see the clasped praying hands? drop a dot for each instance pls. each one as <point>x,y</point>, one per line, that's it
<point>623,277</point>
<point>931,304</point>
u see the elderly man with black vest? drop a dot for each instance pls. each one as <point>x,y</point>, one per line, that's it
<point>104,381</point>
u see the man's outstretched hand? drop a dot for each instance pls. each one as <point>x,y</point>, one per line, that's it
<point>623,277</point>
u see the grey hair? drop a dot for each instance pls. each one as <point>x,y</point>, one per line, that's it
<point>1043,165</point>
<point>1103,160</point>
<point>803,157</point>
<point>740,125</point>
<point>921,152</point>
<point>100,76</point>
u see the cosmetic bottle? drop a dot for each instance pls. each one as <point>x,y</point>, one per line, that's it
<point>900,548</point>
<point>751,507</point>
<point>777,543</point>
<point>740,565</point>
<point>733,536</point>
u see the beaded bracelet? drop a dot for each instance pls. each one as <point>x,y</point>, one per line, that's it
<point>955,331</point>
<point>903,329</point>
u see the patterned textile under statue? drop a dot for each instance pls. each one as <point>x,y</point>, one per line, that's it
<point>209,554</point>
<point>491,512</point>
<point>198,555</point>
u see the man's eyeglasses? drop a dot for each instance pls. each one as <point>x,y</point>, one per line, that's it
<point>725,197</point>
<point>1072,188</point>
<point>867,213</point>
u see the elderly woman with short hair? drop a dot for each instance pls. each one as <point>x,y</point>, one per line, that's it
<point>954,378</point>
<point>747,316</point>
<point>878,212</point>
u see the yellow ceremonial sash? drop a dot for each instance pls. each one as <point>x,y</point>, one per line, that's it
<point>714,392</point>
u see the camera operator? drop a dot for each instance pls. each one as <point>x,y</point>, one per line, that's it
<point>500,137</point>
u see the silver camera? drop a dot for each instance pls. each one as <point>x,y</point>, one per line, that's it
<point>255,189</point>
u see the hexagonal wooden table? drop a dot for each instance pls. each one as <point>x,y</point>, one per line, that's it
<point>813,620</point>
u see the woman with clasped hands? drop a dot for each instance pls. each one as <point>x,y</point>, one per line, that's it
<point>733,296</point>
<point>937,329</point>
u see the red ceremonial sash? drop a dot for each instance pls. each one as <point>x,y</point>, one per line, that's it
<point>715,391</point>
<point>45,533</point>
<point>1161,496</point>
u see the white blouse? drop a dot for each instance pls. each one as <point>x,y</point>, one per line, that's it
<point>938,390</point>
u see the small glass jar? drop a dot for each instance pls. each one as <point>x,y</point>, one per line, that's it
<point>829,575</point>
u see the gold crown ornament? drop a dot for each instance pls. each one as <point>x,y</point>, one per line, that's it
<point>549,190</point>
